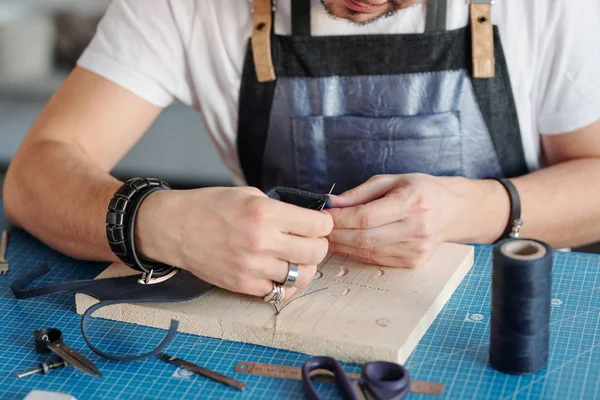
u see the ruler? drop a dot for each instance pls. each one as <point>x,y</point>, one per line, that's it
<point>295,373</point>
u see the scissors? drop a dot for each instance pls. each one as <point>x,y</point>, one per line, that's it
<point>379,380</point>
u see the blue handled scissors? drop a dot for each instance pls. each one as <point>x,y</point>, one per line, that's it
<point>379,380</point>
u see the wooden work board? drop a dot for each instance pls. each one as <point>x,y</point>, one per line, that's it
<point>360,313</point>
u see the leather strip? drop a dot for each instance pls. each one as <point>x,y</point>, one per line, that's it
<point>300,198</point>
<point>164,343</point>
<point>262,24</point>
<point>482,40</point>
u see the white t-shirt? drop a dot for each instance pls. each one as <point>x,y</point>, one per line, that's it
<point>192,51</point>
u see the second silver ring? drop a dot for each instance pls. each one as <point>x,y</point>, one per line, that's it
<point>292,275</point>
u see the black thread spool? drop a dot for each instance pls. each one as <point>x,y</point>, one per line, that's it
<point>521,295</point>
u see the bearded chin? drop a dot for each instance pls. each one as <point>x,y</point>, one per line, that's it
<point>350,15</point>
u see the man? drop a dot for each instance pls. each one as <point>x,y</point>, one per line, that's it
<point>392,114</point>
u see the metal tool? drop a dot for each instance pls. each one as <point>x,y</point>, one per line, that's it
<point>50,340</point>
<point>44,368</point>
<point>328,194</point>
<point>202,371</point>
<point>295,373</point>
<point>3,262</point>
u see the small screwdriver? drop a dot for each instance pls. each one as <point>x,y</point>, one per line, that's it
<point>45,367</point>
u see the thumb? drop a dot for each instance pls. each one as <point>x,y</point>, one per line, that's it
<point>371,190</point>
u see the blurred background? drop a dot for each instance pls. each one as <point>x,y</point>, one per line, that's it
<point>40,41</point>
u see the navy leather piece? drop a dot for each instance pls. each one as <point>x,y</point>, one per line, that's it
<point>301,198</point>
<point>164,343</point>
<point>347,129</point>
<point>182,286</point>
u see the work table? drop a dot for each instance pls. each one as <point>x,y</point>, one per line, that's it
<point>453,351</point>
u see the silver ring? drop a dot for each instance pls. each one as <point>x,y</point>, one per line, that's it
<point>292,275</point>
<point>276,295</point>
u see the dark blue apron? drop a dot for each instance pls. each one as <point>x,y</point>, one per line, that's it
<point>345,108</point>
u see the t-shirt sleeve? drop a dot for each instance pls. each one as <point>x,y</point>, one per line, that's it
<point>141,46</point>
<point>568,87</point>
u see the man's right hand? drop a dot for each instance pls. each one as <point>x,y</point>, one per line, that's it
<point>235,238</point>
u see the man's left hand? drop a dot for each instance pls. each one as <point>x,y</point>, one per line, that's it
<point>399,220</point>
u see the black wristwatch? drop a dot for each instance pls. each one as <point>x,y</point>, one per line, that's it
<point>120,228</point>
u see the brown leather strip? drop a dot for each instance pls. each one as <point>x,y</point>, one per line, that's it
<point>262,20</point>
<point>482,37</point>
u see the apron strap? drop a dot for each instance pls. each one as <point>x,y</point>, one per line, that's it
<point>436,15</point>
<point>482,38</point>
<point>301,17</point>
<point>480,21</point>
<point>262,25</point>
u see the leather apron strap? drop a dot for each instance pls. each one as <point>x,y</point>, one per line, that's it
<point>262,25</point>
<point>482,37</point>
<point>480,21</point>
<point>301,17</point>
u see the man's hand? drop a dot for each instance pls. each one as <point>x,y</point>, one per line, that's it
<point>399,220</point>
<point>235,238</point>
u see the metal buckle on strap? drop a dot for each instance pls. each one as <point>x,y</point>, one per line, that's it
<point>147,279</point>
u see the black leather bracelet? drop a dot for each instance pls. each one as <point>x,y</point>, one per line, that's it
<point>513,227</point>
<point>120,228</point>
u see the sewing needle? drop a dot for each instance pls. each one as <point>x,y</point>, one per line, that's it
<point>328,194</point>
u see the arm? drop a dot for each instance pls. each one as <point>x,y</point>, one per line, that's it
<point>398,220</point>
<point>559,203</point>
<point>58,185</point>
<point>58,188</point>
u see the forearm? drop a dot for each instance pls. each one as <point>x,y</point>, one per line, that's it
<point>55,192</point>
<point>559,206</point>
<point>560,203</point>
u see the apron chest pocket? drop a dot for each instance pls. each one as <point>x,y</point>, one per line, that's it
<point>348,150</point>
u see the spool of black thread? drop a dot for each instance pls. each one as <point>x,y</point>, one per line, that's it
<point>521,295</point>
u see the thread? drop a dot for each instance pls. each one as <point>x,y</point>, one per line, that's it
<point>520,316</point>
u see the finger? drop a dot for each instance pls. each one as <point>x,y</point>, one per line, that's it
<point>374,214</point>
<point>305,274</point>
<point>409,254</point>
<point>301,250</point>
<point>372,189</point>
<point>251,190</point>
<point>301,221</point>
<point>396,232</point>
<point>370,253</point>
<point>277,271</point>
<point>290,292</point>
<point>261,288</point>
